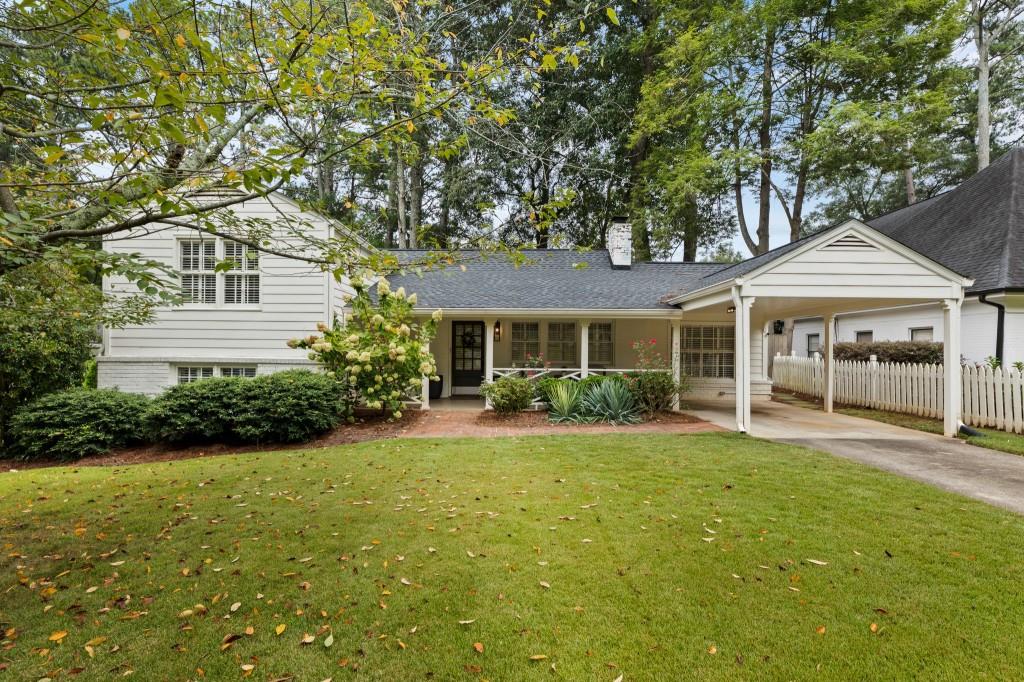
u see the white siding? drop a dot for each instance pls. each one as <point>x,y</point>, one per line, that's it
<point>153,376</point>
<point>977,337</point>
<point>854,264</point>
<point>1013,334</point>
<point>294,297</point>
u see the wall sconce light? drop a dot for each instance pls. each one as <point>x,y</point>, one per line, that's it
<point>497,330</point>
<point>731,309</point>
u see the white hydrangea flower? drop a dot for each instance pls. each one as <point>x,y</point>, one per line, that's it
<point>436,316</point>
<point>365,356</point>
<point>412,299</point>
<point>383,288</point>
<point>400,293</point>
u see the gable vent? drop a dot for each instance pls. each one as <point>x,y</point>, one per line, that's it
<point>850,242</point>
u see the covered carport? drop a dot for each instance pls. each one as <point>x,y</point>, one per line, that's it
<point>848,268</point>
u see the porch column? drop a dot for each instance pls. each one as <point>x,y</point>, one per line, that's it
<point>952,388</point>
<point>742,359</point>
<point>828,352</point>
<point>425,393</point>
<point>584,348</point>
<point>488,356</point>
<point>677,361</point>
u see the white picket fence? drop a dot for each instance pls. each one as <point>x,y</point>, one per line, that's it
<point>992,398</point>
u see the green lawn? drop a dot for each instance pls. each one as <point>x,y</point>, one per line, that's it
<point>711,556</point>
<point>992,438</point>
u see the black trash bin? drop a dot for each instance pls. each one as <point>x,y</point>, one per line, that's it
<point>435,388</point>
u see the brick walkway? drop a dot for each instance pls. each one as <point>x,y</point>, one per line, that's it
<point>441,423</point>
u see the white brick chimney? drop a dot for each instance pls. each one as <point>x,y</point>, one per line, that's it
<point>620,243</point>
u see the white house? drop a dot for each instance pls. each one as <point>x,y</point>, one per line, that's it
<point>235,322</point>
<point>582,310</point>
<point>976,228</point>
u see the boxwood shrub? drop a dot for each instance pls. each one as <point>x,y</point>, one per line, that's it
<point>73,424</point>
<point>928,352</point>
<point>509,394</point>
<point>284,407</point>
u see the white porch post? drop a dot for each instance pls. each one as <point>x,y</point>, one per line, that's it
<point>952,388</point>
<point>742,359</point>
<point>677,361</point>
<point>828,353</point>
<point>584,348</point>
<point>425,393</point>
<point>488,356</point>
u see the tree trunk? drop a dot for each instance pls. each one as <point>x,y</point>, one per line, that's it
<point>764,139</point>
<point>415,202</point>
<point>691,229</point>
<point>796,221</point>
<point>402,225</point>
<point>908,179</point>
<point>981,42</point>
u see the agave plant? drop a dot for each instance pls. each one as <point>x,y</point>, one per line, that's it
<point>564,402</point>
<point>612,402</point>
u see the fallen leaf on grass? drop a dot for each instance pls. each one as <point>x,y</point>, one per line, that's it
<point>307,639</point>
<point>545,585</point>
<point>479,647</point>
<point>58,635</point>
<point>538,657</point>
<point>712,649</point>
<point>874,627</point>
<point>817,562</point>
<point>235,606</point>
<point>280,628</point>
<point>467,622</point>
<point>820,630</point>
<point>328,641</point>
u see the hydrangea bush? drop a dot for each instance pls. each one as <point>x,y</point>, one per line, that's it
<point>380,354</point>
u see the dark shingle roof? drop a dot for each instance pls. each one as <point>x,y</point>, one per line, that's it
<point>975,229</point>
<point>551,279</point>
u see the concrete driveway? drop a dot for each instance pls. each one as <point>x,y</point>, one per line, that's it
<point>986,475</point>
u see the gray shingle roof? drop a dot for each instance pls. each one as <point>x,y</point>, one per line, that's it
<point>552,279</point>
<point>975,229</point>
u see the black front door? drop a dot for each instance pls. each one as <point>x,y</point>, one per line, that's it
<point>467,356</point>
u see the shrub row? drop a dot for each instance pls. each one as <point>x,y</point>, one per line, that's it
<point>284,407</point>
<point>891,351</point>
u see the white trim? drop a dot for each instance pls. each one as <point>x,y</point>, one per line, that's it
<point>850,227</point>
<point>553,313</point>
<point>213,360</point>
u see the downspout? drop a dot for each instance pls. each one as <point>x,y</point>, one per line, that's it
<point>1000,322</point>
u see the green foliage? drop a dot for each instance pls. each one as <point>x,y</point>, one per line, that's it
<point>915,352</point>
<point>90,375</point>
<point>282,407</point>
<point>652,384</point>
<point>48,319</point>
<point>197,412</point>
<point>509,394</point>
<point>564,398</point>
<point>78,423</point>
<point>380,354</point>
<point>611,402</point>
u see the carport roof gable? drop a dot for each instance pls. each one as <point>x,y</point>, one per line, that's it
<point>766,262</point>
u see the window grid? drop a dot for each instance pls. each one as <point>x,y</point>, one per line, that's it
<point>562,342</point>
<point>198,279</point>
<point>709,352</point>
<point>600,341</point>
<point>525,340</point>
<point>247,372</point>
<point>187,375</point>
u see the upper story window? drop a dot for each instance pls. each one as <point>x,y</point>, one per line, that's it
<point>200,279</point>
<point>242,282</point>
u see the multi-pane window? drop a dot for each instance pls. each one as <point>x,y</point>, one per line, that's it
<point>525,341</point>
<point>600,343</point>
<point>922,334</point>
<point>813,344</point>
<point>865,337</point>
<point>247,372</point>
<point>189,374</point>
<point>198,279</point>
<point>708,352</point>
<point>562,342</point>
<point>242,282</point>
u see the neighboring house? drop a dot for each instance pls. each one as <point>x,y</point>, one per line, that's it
<point>977,229</point>
<point>235,322</point>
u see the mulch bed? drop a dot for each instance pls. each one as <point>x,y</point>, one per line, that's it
<point>372,426</point>
<point>539,419</point>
